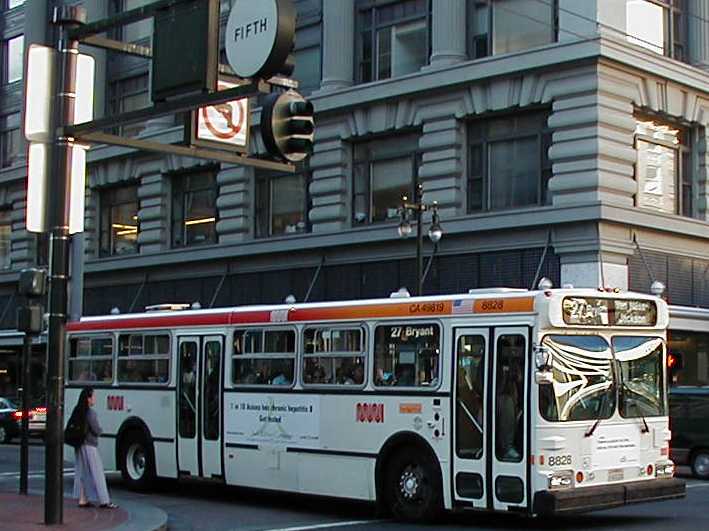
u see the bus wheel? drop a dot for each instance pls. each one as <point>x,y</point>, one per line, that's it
<point>413,487</point>
<point>136,461</point>
<point>700,464</point>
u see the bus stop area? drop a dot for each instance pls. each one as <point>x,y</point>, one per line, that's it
<point>26,513</point>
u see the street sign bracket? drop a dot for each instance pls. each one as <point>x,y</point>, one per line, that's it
<point>185,151</point>
<point>248,90</point>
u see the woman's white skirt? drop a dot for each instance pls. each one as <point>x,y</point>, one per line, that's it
<point>88,473</point>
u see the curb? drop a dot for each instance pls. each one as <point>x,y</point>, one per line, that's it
<point>142,517</point>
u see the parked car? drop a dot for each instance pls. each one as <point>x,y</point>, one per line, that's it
<point>689,422</point>
<point>9,420</point>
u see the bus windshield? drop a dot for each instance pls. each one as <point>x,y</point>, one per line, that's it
<point>641,392</point>
<point>583,386</point>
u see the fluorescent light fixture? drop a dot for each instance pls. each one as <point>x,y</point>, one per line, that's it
<point>200,221</point>
<point>84,104</point>
<point>38,99</point>
<point>78,189</point>
<point>37,188</point>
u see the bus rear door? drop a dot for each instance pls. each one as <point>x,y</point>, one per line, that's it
<point>199,429</point>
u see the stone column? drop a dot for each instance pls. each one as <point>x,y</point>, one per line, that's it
<point>592,150</point>
<point>233,204</point>
<point>338,44</point>
<point>702,181</point>
<point>153,193</point>
<point>448,32</point>
<point>441,170</point>
<point>21,241</point>
<point>698,34</point>
<point>330,166</point>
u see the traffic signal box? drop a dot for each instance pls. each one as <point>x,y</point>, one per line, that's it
<point>287,126</point>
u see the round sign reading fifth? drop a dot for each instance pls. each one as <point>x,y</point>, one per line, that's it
<point>259,36</point>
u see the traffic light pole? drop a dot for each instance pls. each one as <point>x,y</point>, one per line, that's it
<point>26,405</point>
<point>65,18</point>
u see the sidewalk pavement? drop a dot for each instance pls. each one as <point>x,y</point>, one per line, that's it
<point>26,513</point>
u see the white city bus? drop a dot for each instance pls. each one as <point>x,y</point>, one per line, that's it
<point>537,402</point>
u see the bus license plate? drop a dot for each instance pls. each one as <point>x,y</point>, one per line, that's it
<point>616,474</point>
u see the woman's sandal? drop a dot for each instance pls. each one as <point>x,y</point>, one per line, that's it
<point>85,505</point>
<point>108,506</point>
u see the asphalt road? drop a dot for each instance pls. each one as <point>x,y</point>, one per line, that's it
<point>195,506</point>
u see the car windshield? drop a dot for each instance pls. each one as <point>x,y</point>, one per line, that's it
<point>583,384</point>
<point>641,392</point>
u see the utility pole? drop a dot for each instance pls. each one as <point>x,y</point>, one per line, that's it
<point>65,18</point>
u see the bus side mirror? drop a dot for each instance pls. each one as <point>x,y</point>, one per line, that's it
<point>542,360</point>
<point>542,357</point>
<point>544,377</point>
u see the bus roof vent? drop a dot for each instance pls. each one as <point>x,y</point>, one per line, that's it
<point>402,293</point>
<point>482,291</point>
<point>167,307</point>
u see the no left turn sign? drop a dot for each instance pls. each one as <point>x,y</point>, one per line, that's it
<point>225,123</point>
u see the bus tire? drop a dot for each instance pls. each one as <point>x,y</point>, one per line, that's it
<point>137,460</point>
<point>700,464</point>
<point>412,485</point>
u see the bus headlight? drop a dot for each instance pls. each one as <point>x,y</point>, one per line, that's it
<point>664,469</point>
<point>561,479</point>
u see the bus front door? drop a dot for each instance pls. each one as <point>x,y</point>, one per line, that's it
<point>471,357</point>
<point>508,419</point>
<point>199,390</point>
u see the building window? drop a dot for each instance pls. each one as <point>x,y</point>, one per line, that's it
<point>194,209</point>
<point>658,25</point>
<point>664,167</point>
<point>384,169</point>
<point>508,163</point>
<point>5,231</point>
<point>12,4</point>
<point>136,32</point>
<point>10,139</point>
<point>281,204</point>
<point>127,95</point>
<point>119,221</point>
<point>308,61</point>
<point>394,39</point>
<point>503,26</point>
<point>13,53</point>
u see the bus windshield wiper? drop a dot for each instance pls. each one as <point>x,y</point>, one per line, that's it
<point>601,408</point>
<point>626,387</point>
<point>602,405</point>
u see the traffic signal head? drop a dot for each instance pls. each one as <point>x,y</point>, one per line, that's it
<point>287,126</point>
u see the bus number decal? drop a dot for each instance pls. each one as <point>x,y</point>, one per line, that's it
<point>370,412</point>
<point>559,460</point>
<point>279,316</point>
<point>427,307</point>
<point>115,403</point>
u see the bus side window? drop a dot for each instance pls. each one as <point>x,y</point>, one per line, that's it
<point>263,357</point>
<point>407,355</point>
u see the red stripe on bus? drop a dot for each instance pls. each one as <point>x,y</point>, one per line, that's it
<point>162,321</point>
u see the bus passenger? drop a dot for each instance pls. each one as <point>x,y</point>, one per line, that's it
<point>280,378</point>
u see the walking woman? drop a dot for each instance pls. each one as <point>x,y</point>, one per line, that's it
<point>89,480</point>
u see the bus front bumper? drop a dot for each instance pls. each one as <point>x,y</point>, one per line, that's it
<point>607,496</point>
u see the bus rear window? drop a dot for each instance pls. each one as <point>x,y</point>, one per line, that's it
<point>407,355</point>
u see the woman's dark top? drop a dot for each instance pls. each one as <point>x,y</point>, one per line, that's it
<point>94,429</point>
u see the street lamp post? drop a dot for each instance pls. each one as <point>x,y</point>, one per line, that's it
<point>435,232</point>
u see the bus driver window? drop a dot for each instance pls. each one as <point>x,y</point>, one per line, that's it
<point>407,355</point>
